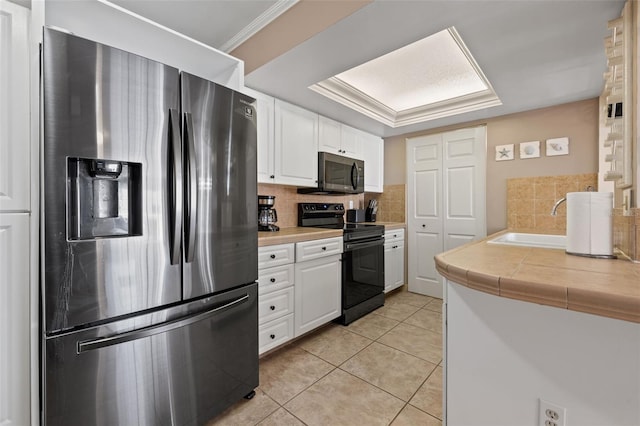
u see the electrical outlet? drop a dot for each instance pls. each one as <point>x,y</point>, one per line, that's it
<point>551,414</point>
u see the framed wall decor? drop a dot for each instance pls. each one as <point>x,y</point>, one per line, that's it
<point>530,149</point>
<point>504,152</point>
<point>557,146</point>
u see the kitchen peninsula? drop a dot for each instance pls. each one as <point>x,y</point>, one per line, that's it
<point>531,324</point>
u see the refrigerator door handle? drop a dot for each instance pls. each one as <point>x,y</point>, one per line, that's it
<point>103,342</point>
<point>175,187</point>
<point>191,189</point>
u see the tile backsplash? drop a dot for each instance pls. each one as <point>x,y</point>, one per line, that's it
<point>626,232</point>
<point>530,200</point>
<point>287,199</point>
<point>390,203</point>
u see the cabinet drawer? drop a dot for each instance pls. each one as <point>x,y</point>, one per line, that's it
<point>275,333</point>
<point>392,245</point>
<point>309,250</point>
<point>276,278</point>
<point>275,304</point>
<point>269,256</point>
<point>394,235</point>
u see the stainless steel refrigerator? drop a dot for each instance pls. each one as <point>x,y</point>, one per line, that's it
<point>149,240</point>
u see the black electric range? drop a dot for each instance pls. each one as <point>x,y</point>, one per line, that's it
<point>362,258</point>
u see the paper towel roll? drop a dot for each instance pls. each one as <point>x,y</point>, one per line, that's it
<point>601,223</point>
<point>578,223</point>
<point>590,223</point>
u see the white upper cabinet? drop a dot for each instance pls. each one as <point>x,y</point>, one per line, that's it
<point>330,139</point>
<point>289,138</point>
<point>266,137</point>
<point>353,142</point>
<point>340,139</point>
<point>14,108</point>
<point>373,156</point>
<point>296,145</point>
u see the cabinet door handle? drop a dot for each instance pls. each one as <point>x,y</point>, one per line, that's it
<point>273,308</point>
<point>324,248</point>
<point>273,336</point>
<point>273,280</point>
<point>424,226</point>
<point>273,256</point>
<point>272,177</point>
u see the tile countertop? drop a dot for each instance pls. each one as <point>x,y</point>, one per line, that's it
<point>297,234</point>
<point>605,287</point>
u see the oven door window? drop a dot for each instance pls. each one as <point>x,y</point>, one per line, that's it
<point>362,273</point>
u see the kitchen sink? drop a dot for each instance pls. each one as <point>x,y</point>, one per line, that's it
<point>531,240</point>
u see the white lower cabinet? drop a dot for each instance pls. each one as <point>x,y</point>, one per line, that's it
<point>318,284</point>
<point>275,295</point>
<point>296,297</point>
<point>318,295</point>
<point>275,333</point>
<point>393,259</point>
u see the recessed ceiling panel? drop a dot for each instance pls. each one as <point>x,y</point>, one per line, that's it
<point>430,70</point>
<point>431,78</point>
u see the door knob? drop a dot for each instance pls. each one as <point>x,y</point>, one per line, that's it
<point>273,336</point>
<point>424,226</point>
<point>273,256</point>
<point>273,308</point>
<point>273,280</point>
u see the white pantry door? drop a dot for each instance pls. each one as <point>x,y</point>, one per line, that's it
<point>445,202</point>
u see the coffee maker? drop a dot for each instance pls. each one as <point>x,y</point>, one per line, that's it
<point>267,216</point>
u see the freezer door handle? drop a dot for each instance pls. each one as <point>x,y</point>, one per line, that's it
<point>157,329</point>
<point>175,187</point>
<point>191,189</point>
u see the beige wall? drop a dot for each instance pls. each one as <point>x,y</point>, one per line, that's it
<point>578,121</point>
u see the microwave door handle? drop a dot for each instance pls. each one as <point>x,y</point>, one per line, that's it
<point>191,189</point>
<point>174,187</point>
<point>355,176</point>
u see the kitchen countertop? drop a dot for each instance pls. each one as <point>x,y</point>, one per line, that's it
<point>299,233</point>
<point>295,235</point>
<point>605,287</point>
<point>390,226</point>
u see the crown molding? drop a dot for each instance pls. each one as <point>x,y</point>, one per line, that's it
<point>257,24</point>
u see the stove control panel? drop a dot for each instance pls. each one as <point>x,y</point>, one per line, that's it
<point>320,207</point>
<point>320,214</point>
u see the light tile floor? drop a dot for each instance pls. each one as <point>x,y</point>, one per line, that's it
<point>384,369</point>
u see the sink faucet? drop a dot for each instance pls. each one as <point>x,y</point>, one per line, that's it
<point>556,205</point>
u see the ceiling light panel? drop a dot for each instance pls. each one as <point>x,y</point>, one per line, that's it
<point>430,78</point>
<point>430,70</point>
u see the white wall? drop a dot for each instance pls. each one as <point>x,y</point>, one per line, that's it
<point>503,354</point>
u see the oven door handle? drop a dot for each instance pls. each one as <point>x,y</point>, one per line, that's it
<point>356,245</point>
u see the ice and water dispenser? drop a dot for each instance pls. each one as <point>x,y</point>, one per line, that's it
<point>104,198</point>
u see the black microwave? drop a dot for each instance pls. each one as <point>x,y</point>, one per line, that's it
<point>338,175</point>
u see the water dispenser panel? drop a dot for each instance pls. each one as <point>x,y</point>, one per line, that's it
<point>105,198</point>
